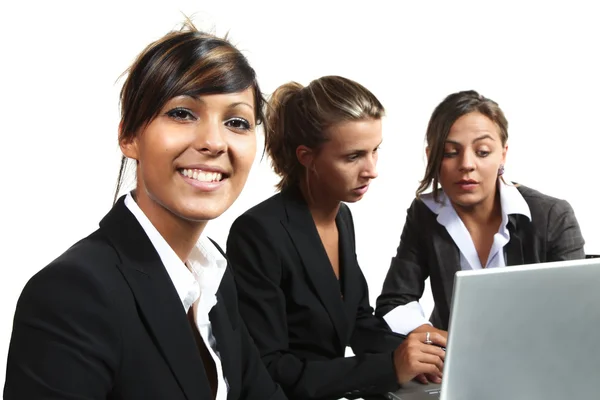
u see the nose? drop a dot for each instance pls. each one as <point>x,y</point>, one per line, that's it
<point>467,162</point>
<point>210,139</point>
<point>370,170</point>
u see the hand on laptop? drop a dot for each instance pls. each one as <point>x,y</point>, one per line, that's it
<point>416,358</point>
<point>426,378</point>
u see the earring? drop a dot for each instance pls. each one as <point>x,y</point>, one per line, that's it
<point>501,170</point>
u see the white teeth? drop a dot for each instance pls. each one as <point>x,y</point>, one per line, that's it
<point>202,176</point>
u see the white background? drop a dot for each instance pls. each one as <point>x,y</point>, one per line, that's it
<point>60,62</point>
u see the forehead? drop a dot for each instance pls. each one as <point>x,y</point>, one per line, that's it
<point>244,97</point>
<point>355,134</point>
<point>471,126</point>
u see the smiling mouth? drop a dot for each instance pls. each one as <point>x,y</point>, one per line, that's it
<point>203,176</point>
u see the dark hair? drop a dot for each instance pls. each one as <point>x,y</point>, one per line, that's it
<point>184,62</point>
<point>445,114</point>
<point>298,115</point>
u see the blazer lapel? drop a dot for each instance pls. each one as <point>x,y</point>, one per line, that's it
<point>222,328</point>
<point>303,232</point>
<point>448,260</point>
<point>349,269</point>
<point>160,307</point>
<point>514,247</point>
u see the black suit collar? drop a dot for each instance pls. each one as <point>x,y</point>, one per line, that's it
<point>158,301</point>
<point>514,248</point>
<point>303,232</point>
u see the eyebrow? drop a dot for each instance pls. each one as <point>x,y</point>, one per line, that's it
<point>240,103</point>
<point>482,137</point>
<point>362,151</point>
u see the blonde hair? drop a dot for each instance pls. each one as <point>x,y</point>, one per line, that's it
<point>298,115</point>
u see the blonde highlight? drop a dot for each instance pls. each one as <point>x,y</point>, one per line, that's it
<point>298,115</point>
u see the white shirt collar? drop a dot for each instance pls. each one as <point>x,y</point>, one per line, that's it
<point>512,202</point>
<point>204,270</point>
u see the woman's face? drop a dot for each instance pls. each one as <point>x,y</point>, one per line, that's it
<point>344,166</point>
<point>193,159</point>
<point>473,154</point>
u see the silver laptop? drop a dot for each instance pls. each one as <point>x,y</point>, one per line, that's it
<point>525,332</point>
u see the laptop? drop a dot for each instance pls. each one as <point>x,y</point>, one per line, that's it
<point>523,332</point>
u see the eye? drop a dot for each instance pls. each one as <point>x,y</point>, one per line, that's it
<point>238,123</point>
<point>483,153</point>
<point>181,114</point>
<point>450,154</point>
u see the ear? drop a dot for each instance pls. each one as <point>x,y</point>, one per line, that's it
<point>129,146</point>
<point>305,156</point>
<point>504,151</point>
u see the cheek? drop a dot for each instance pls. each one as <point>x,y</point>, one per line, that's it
<point>330,173</point>
<point>243,152</point>
<point>446,169</point>
<point>490,169</point>
<point>162,146</point>
<point>345,173</point>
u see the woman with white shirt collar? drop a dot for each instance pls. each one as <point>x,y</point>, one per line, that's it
<point>473,218</point>
<point>145,307</point>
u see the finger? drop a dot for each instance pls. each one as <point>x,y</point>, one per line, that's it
<point>434,350</point>
<point>420,337</point>
<point>422,379</point>
<point>429,369</point>
<point>433,378</point>
<point>431,359</point>
<point>437,339</point>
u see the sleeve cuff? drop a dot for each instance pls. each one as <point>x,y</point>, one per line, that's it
<point>404,319</point>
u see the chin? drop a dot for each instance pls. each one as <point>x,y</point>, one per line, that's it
<point>352,198</point>
<point>205,210</point>
<point>466,201</point>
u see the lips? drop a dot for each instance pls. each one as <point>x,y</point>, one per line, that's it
<point>361,189</point>
<point>467,185</point>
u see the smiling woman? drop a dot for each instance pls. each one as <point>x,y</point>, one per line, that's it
<point>192,177</point>
<point>145,307</point>
<point>197,87</point>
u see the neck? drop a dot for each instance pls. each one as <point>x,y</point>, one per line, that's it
<point>485,213</point>
<point>180,234</point>
<point>323,209</point>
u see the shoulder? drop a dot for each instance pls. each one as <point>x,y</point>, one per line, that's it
<point>543,204</point>
<point>265,212</point>
<point>91,257</point>
<point>83,276</point>
<point>421,206</point>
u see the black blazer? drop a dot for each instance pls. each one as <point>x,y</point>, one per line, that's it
<point>427,250</point>
<point>292,303</point>
<point>104,321</point>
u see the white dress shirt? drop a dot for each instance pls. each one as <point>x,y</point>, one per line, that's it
<point>404,319</point>
<point>196,282</point>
